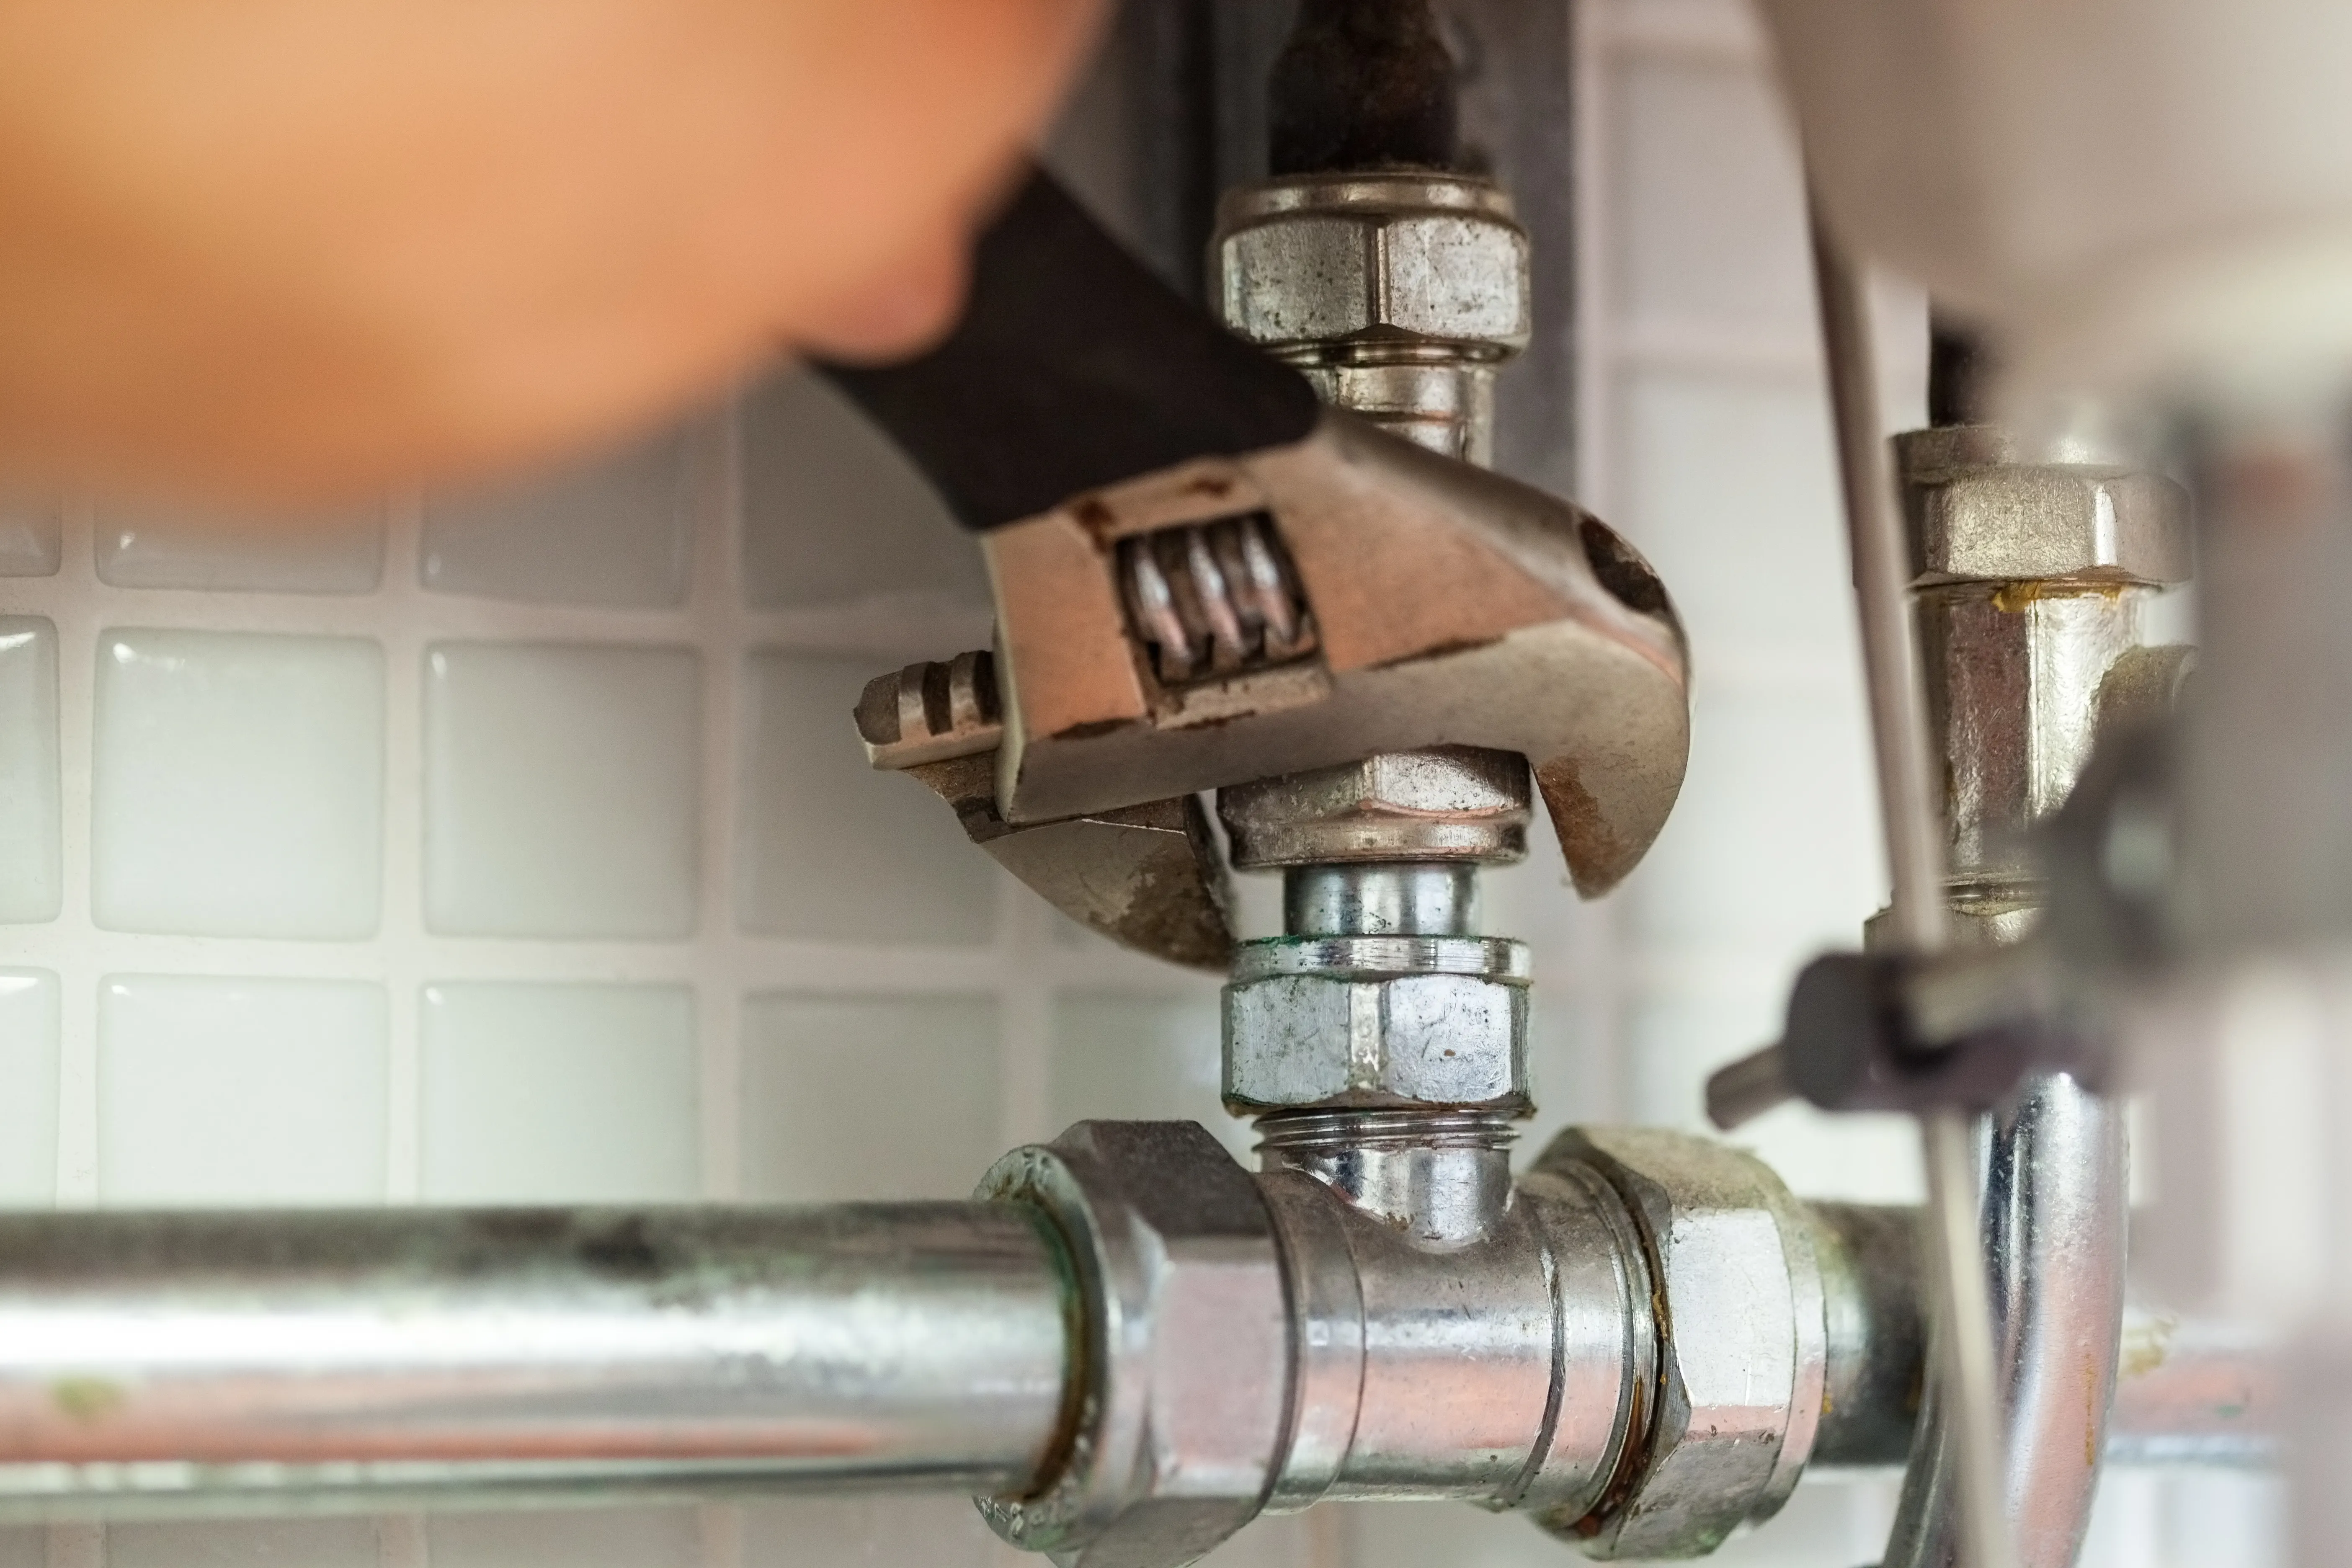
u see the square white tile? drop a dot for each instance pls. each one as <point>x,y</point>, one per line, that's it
<point>1734,500</point>
<point>28,1086</point>
<point>577,1537</point>
<point>1710,208</point>
<point>558,1093</point>
<point>834,514</point>
<point>615,529</point>
<point>562,790</point>
<point>244,1543</point>
<point>1774,847</point>
<point>824,1115</point>
<point>239,785</point>
<point>1141,1059</point>
<point>1677,1033</point>
<point>32,851</point>
<point>911,1532</point>
<point>225,1091</point>
<point>31,536</point>
<point>830,850</point>
<point>150,548</point>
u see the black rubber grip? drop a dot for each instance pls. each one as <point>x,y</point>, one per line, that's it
<point>1073,368</point>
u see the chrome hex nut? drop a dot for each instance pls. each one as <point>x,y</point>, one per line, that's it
<point>1977,516</point>
<point>1375,1021</point>
<point>1742,1340</point>
<point>1447,803</point>
<point>1311,264</point>
<point>1183,1382</point>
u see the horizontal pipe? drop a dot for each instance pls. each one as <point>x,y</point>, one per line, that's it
<point>190,1362</point>
<point>2191,1392</point>
<point>2187,1392</point>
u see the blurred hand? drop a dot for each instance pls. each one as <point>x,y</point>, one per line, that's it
<point>296,248</point>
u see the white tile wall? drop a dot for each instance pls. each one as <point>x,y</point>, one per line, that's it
<point>539,1093</point>
<point>638,1538</point>
<point>32,870</point>
<point>28,1086</point>
<point>289,1543</point>
<point>539,862</point>
<point>285,555</point>
<point>217,1090</point>
<point>238,785</point>
<point>30,536</point>
<point>830,851</point>
<point>562,790</point>
<point>615,531</point>
<point>814,1127</point>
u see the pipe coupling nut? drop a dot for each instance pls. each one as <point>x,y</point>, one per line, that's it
<point>1371,269</point>
<point>1377,1021</point>
<point>1976,514</point>
<point>1180,1395</point>
<point>1742,1342</point>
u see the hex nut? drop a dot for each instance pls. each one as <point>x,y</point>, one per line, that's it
<point>1742,1340</point>
<point>1975,517</point>
<point>1182,1394</point>
<point>1323,269</point>
<point>1449,803</point>
<point>1444,1033</point>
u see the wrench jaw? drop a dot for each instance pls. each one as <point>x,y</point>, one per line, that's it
<point>1446,606</point>
<point>1235,619</point>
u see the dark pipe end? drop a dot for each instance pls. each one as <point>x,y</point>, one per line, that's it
<point>1961,369</point>
<point>1364,84</point>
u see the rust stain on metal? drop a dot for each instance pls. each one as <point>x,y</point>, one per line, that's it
<point>2013,598</point>
<point>1096,517</point>
<point>1593,847</point>
<point>2090,1415</point>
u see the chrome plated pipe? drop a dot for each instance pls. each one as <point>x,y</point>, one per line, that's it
<point>2056,1205</point>
<point>1381,898</point>
<point>2032,652</point>
<point>278,1360</point>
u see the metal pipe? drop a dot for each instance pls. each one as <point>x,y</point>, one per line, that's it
<point>1381,898</point>
<point>2024,652</point>
<point>292,1359</point>
<point>1914,855</point>
<point>2190,1393</point>
<point>2055,1209</point>
<point>2187,1392</point>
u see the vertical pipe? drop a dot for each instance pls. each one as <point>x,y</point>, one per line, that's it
<point>2018,711</point>
<point>1907,804</point>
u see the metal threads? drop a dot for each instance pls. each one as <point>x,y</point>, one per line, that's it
<point>1383,957</point>
<point>1214,599</point>
<point>930,712</point>
<point>1443,1177</point>
<point>1285,1132</point>
<point>1378,900</point>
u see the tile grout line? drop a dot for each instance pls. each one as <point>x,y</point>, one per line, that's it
<point>1025,998</point>
<point>401,936</point>
<point>718,543</point>
<point>78,623</point>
